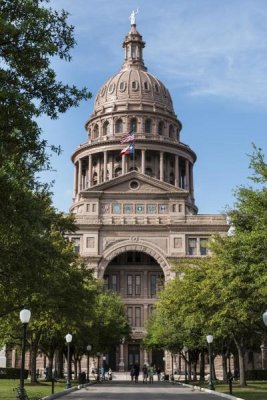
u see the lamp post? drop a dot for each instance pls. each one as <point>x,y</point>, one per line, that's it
<point>88,348</point>
<point>210,340</point>
<point>163,359</point>
<point>68,340</point>
<point>25,316</point>
<point>98,375</point>
<point>185,350</point>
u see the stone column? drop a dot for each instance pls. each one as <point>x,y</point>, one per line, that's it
<point>143,168</point>
<point>161,172</point>
<point>146,360</point>
<point>112,166</point>
<point>187,186</point>
<point>90,170</point>
<point>191,181</point>
<point>145,294</point>
<point>123,164</point>
<point>121,362</point>
<point>75,182</point>
<point>98,169</point>
<point>13,358</point>
<point>177,181</point>
<point>105,166</point>
<point>79,175</point>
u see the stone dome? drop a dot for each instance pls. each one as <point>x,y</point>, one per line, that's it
<point>133,84</point>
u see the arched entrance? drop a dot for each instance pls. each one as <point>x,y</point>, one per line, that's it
<point>138,278</point>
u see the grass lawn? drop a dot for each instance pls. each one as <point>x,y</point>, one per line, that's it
<point>41,389</point>
<point>255,390</point>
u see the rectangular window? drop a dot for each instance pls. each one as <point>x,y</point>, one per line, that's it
<point>90,242</point>
<point>129,285</point>
<point>138,316</point>
<point>153,285</point>
<point>114,283</point>
<point>192,246</point>
<point>76,245</point>
<point>93,207</point>
<point>130,315</point>
<point>137,285</point>
<point>203,246</point>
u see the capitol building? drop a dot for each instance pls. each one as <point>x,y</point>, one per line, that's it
<point>136,213</point>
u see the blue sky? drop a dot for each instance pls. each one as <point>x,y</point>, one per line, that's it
<point>210,54</point>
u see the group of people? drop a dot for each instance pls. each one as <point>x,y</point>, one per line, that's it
<point>148,373</point>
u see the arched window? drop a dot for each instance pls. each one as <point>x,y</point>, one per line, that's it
<point>118,171</point>
<point>96,131</point>
<point>160,128</point>
<point>148,126</point>
<point>119,126</point>
<point>172,178</point>
<point>133,125</point>
<point>171,131</point>
<point>106,128</point>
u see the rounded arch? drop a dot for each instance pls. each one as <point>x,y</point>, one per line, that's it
<point>134,244</point>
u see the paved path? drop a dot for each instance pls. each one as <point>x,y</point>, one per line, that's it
<point>130,391</point>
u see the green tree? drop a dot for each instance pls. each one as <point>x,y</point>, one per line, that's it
<point>31,35</point>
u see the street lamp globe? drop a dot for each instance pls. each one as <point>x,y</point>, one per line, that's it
<point>68,338</point>
<point>209,339</point>
<point>89,347</point>
<point>264,317</point>
<point>25,316</point>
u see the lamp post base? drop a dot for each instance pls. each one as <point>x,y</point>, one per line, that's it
<point>211,386</point>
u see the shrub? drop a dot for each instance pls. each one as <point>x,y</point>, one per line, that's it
<point>12,373</point>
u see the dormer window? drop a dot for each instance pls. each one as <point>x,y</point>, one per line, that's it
<point>135,85</point>
<point>122,86</point>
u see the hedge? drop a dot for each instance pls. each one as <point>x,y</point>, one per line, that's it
<point>256,375</point>
<point>12,373</point>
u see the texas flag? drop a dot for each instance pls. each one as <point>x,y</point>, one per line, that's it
<point>128,150</point>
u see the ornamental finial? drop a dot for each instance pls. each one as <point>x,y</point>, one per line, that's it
<point>133,16</point>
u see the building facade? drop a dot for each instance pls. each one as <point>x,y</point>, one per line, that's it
<point>134,213</point>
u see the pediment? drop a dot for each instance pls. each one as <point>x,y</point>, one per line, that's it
<point>144,184</point>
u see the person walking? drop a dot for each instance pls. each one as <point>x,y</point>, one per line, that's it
<point>150,373</point>
<point>145,373</point>
<point>136,372</point>
<point>132,373</point>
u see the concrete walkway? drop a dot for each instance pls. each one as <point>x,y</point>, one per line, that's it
<point>130,391</point>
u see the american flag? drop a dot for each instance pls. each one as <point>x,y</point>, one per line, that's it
<point>128,138</point>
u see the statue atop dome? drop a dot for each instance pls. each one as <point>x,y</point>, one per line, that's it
<point>133,16</point>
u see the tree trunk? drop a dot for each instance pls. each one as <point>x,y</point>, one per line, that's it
<point>241,359</point>
<point>59,363</point>
<point>224,365</point>
<point>202,366</point>
<point>33,356</point>
<point>75,369</point>
<point>50,366</point>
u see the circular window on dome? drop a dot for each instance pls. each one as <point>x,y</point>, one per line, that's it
<point>111,88</point>
<point>134,185</point>
<point>103,91</point>
<point>135,86</point>
<point>122,86</point>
